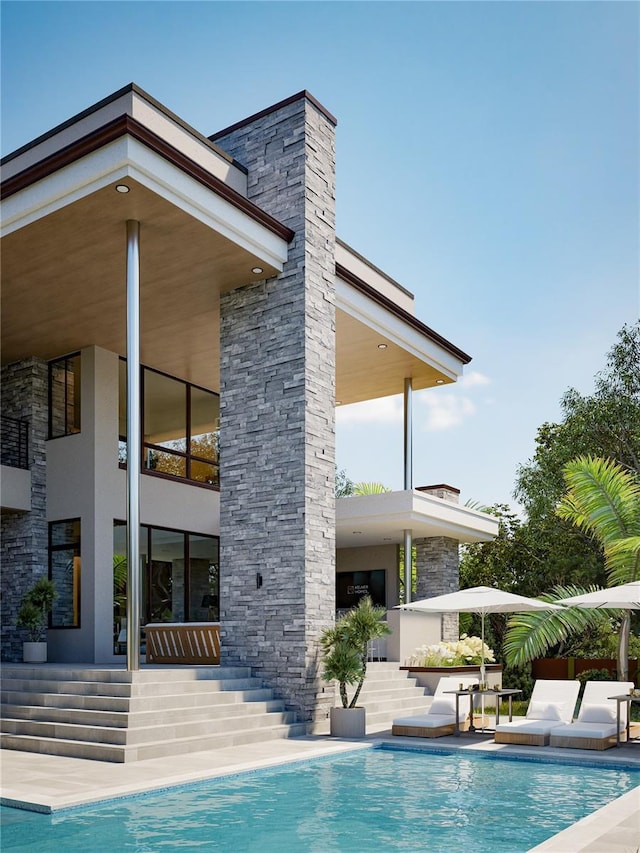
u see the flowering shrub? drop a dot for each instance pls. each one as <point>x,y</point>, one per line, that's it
<point>467,651</point>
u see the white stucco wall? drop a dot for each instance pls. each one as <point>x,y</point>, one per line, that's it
<point>84,481</point>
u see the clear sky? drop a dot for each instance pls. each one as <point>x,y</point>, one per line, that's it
<point>487,159</point>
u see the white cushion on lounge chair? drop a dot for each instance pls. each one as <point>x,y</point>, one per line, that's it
<point>546,711</point>
<point>560,694</point>
<point>597,717</point>
<point>530,726</point>
<point>585,730</point>
<point>434,718</point>
<point>597,713</point>
<point>427,721</point>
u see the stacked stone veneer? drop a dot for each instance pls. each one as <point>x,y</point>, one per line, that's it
<point>277,367</point>
<point>24,534</point>
<point>438,564</point>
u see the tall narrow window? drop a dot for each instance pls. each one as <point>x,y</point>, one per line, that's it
<point>204,435</point>
<point>64,396</point>
<point>64,571</point>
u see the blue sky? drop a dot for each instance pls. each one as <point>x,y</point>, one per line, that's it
<point>487,159</point>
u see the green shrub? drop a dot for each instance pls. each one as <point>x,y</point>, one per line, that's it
<point>518,678</point>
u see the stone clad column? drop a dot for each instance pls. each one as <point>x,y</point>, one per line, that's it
<point>438,563</point>
<point>277,399</point>
<point>25,556</point>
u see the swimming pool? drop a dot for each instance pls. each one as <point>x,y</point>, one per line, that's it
<point>409,800</point>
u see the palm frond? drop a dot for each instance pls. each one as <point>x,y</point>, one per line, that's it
<point>623,560</point>
<point>603,499</point>
<point>530,635</point>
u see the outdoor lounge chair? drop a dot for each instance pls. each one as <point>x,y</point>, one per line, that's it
<point>552,703</point>
<point>440,719</point>
<point>595,727</point>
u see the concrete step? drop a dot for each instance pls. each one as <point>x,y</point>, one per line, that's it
<point>119,753</point>
<point>123,719</point>
<point>134,734</point>
<point>145,688</point>
<point>114,674</point>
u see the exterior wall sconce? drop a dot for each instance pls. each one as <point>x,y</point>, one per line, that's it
<point>258,580</point>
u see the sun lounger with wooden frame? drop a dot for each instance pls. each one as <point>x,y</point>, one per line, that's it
<point>552,703</point>
<point>440,718</point>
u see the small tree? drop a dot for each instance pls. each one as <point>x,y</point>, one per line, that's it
<point>35,608</point>
<point>345,647</point>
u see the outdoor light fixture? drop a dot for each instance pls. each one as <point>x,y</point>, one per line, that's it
<point>257,270</point>
<point>439,381</point>
<point>258,580</point>
<point>122,188</point>
<point>382,346</point>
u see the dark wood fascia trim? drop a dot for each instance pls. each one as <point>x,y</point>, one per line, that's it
<point>127,125</point>
<point>130,87</point>
<point>343,273</point>
<point>285,103</point>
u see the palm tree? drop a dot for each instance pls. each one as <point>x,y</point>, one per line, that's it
<point>603,500</point>
<point>345,647</point>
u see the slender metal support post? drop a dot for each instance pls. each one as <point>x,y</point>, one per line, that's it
<point>133,445</point>
<point>408,434</point>
<point>408,481</point>
<point>408,548</point>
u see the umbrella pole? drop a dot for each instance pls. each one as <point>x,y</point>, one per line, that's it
<point>482,670</point>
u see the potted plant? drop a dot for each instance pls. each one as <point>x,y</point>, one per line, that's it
<point>345,651</point>
<point>34,616</point>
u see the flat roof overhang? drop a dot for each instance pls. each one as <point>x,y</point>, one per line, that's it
<point>63,255</point>
<point>379,343</point>
<point>382,519</point>
<point>64,249</point>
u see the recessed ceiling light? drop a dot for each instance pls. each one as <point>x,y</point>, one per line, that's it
<point>122,188</point>
<point>257,270</point>
<point>382,346</point>
<point>338,402</point>
<point>358,532</point>
<point>439,381</point>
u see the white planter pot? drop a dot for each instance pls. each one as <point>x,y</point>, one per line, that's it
<point>34,652</point>
<point>347,722</point>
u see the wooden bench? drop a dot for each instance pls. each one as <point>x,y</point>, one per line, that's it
<point>183,642</point>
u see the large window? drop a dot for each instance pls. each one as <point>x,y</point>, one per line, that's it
<point>64,396</point>
<point>64,571</point>
<point>180,426</point>
<point>179,571</point>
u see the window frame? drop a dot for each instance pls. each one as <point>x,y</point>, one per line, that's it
<point>77,576</point>
<point>187,455</point>
<point>77,400</point>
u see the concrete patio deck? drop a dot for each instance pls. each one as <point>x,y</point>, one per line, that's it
<point>48,783</point>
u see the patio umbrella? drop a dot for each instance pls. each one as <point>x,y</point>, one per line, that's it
<point>482,600</point>
<point>623,597</point>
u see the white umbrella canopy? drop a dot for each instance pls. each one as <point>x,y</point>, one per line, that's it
<point>623,597</point>
<point>479,599</point>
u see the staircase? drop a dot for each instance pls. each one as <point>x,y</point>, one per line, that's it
<point>109,714</point>
<point>388,692</point>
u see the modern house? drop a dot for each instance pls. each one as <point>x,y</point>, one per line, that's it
<point>179,323</point>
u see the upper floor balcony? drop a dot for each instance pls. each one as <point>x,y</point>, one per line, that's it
<point>14,458</point>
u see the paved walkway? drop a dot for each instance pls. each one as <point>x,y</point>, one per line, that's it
<point>47,783</point>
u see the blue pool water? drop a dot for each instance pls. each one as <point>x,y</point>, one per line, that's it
<point>362,801</point>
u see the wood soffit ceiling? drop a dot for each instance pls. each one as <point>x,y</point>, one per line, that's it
<point>64,288</point>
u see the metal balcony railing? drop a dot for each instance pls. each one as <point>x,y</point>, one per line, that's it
<point>14,442</point>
